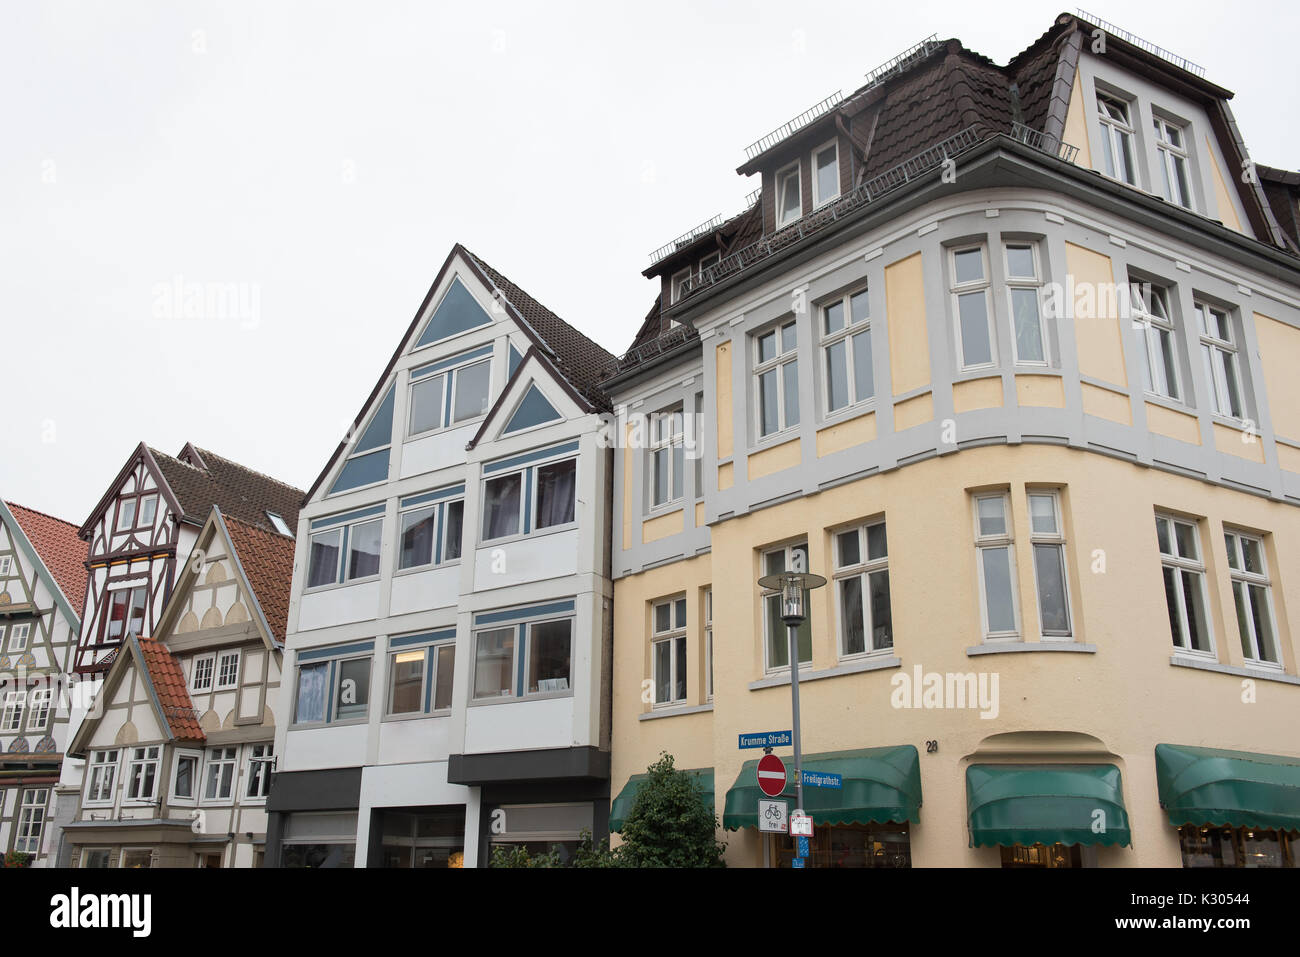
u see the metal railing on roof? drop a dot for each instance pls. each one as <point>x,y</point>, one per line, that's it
<point>686,237</point>
<point>798,123</point>
<point>899,63</point>
<point>651,348</point>
<point>1041,141</point>
<point>1178,61</point>
<point>753,197</point>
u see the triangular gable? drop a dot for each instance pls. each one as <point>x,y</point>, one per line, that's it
<point>368,461</point>
<point>141,453</point>
<point>533,409</point>
<point>536,374</point>
<point>458,312</point>
<point>19,535</point>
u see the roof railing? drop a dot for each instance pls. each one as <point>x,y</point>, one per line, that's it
<point>899,63</point>
<point>678,335</point>
<point>1042,141</point>
<point>1181,62</point>
<point>798,123</point>
<point>686,237</point>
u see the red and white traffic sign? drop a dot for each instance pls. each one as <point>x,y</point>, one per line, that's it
<point>771,775</point>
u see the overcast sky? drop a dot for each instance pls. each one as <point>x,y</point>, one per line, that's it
<point>324,157</point>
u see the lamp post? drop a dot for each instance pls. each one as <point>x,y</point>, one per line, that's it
<point>792,588</point>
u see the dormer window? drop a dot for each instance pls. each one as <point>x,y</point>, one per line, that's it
<point>826,174</point>
<point>679,281</point>
<point>1171,147</point>
<point>279,524</point>
<point>1117,132</point>
<point>789,200</point>
<point>708,262</point>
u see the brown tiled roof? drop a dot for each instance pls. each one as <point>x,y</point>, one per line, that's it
<point>237,490</point>
<point>267,560</point>
<point>173,694</point>
<point>583,362</point>
<point>60,548</point>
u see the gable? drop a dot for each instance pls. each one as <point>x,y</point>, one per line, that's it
<point>458,312</point>
<point>535,395</point>
<point>533,409</point>
<point>367,462</point>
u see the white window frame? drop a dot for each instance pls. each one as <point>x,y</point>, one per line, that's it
<point>23,631</point>
<point>1219,356</point>
<point>781,176</point>
<point>861,570</point>
<point>196,781</point>
<point>5,564</point>
<point>819,200</point>
<point>214,759</point>
<point>995,541</point>
<point>708,643</point>
<point>958,289</point>
<point>1239,576</point>
<point>1149,324</point>
<point>262,754</point>
<point>529,500</point>
<point>32,809</point>
<point>522,649</point>
<point>40,706</point>
<point>667,437</point>
<point>779,360</point>
<point>1113,129</point>
<point>1170,156</point>
<point>708,262</point>
<point>141,520</point>
<point>15,706</point>
<point>219,684</point>
<point>787,551</point>
<point>141,758</point>
<point>1053,539</point>
<point>345,531</point>
<point>195,672</point>
<point>846,334</point>
<point>447,409</point>
<point>675,284</point>
<point>678,653</point>
<point>1196,566</point>
<point>1034,283</point>
<point>279,524</point>
<point>102,763</point>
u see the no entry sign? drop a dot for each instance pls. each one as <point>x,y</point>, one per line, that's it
<point>771,775</point>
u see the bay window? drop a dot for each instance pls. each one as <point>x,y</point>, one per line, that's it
<point>261,761</point>
<point>1183,571</point>
<point>39,716</point>
<point>333,689</point>
<point>1219,352</point>
<point>420,678</point>
<point>12,718</point>
<point>1117,138</point>
<point>126,607</point>
<point>861,557</point>
<point>776,378</point>
<point>430,534</point>
<point>971,307</point>
<point>449,397</point>
<point>346,551</point>
<point>525,659</point>
<point>1252,596</point>
<point>1024,283</point>
<point>31,820</point>
<point>101,777</point>
<point>219,780</point>
<point>1048,542</point>
<point>142,773</point>
<point>846,348</point>
<point>186,778</point>
<point>996,566</point>
<point>538,497</point>
<point>1153,320</point>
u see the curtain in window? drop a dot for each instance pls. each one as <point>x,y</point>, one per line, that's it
<point>555,493</point>
<point>501,507</point>
<point>311,693</point>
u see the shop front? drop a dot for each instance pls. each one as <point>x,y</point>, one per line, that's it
<point>866,822</point>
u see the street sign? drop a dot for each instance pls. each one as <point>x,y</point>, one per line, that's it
<point>801,825</point>
<point>767,739</point>
<point>771,775</point>
<point>802,846</point>
<point>819,779</point>
<point>772,817</point>
<point>797,862</point>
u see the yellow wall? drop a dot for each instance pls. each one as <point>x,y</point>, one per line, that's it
<point>662,526</point>
<point>1279,344</point>
<point>774,459</point>
<point>1076,124</point>
<point>1097,334</point>
<point>724,430</point>
<point>909,342</point>
<point>1227,209</point>
<point>972,394</point>
<point>843,435</point>
<point>1238,442</point>
<point>1040,390</point>
<point>1049,702</point>
<point>914,411</point>
<point>1106,404</point>
<point>1174,424</point>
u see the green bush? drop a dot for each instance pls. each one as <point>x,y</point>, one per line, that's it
<point>669,825</point>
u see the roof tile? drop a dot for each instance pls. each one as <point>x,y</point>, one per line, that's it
<point>62,551</point>
<point>173,693</point>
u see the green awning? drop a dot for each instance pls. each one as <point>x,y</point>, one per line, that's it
<point>1236,788</point>
<point>879,784</point>
<point>618,810</point>
<point>1045,804</point>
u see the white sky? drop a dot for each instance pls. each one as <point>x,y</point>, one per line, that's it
<point>326,156</point>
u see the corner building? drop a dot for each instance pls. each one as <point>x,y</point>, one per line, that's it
<point>1006,354</point>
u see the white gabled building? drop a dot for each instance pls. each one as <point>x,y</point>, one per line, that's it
<point>449,638</point>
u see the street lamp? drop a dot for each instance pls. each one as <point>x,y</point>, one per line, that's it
<point>792,589</point>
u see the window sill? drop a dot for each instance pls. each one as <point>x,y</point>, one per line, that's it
<point>415,716</point>
<point>319,725</point>
<point>431,566</point>
<point>1005,647</point>
<point>1167,402</point>
<point>673,712</point>
<point>807,674</point>
<point>849,412</point>
<point>527,536</point>
<point>773,439</point>
<point>667,508</point>
<point>517,699</point>
<point>1264,674</point>
<point>445,429</point>
<point>318,589</point>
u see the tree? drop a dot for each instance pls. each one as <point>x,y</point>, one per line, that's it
<point>669,824</point>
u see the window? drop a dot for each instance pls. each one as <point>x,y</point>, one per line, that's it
<point>668,650</point>
<point>261,761</point>
<point>1155,324</point>
<point>866,620</point>
<point>185,781</point>
<point>789,197</point>
<point>679,282</point>
<point>12,718</point>
<point>335,690</point>
<point>219,782</point>
<point>826,174</point>
<point>352,696</point>
<point>345,553</point>
<point>1220,355</point>
<point>708,262</point>
<point>708,643</point>
<point>970,294</point>
<point>5,564</point>
<point>1226,846</point>
<point>1024,281</point>
<point>530,659</point>
<point>431,534</point>
<point>41,700</point>
<point>846,346</point>
<point>1172,150</point>
<point>126,609</point>
<point>667,457</point>
<point>1252,596</point>
<point>697,446</point>
<point>126,515</point>
<point>450,397</point>
<point>279,524</point>
<point>1048,542</point>
<point>148,509</point>
<point>1117,138</point>
<point>228,671</point>
<point>776,379</point>
<point>996,564</point>
<point>777,644</point>
<point>102,777</point>
<point>142,774</point>
<point>551,487</point>
<point>413,671</point>
<point>201,676</point>
<point>18,637</point>
<point>1184,577</point>
<point>31,820</point>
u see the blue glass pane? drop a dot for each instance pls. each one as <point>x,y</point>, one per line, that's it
<point>534,410</point>
<point>515,359</point>
<point>380,430</point>
<point>457,312</point>
<point>362,470</point>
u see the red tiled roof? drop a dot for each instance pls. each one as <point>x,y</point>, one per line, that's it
<point>173,694</point>
<point>267,560</point>
<point>62,551</point>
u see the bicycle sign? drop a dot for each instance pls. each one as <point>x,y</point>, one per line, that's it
<point>772,816</point>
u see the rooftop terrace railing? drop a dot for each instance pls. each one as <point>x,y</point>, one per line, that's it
<point>798,123</point>
<point>1178,61</point>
